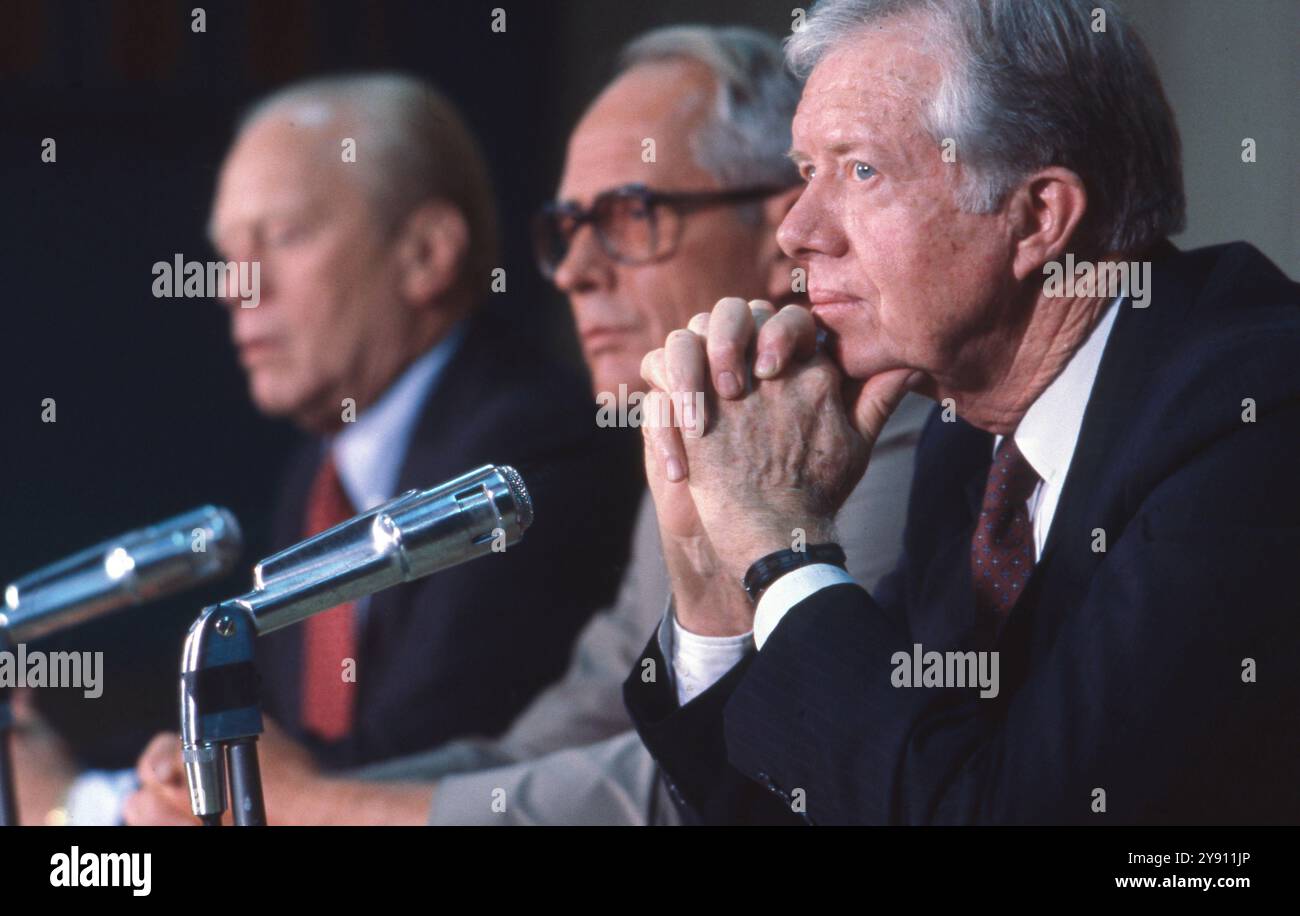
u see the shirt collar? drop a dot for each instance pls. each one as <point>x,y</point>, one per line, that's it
<point>1049,430</point>
<point>369,451</point>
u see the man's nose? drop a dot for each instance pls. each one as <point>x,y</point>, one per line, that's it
<point>586,266</point>
<point>812,226</point>
<point>243,258</point>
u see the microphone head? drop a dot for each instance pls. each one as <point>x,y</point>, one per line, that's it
<point>519,493</point>
<point>418,533</point>
<point>131,568</point>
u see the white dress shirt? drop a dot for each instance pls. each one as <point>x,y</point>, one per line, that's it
<point>369,451</point>
<point>698,661</point>
<point>1047,436</point>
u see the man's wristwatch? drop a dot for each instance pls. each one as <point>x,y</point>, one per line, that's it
<point>766,570</point>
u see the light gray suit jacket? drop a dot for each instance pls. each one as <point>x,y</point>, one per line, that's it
<point>571,757</point>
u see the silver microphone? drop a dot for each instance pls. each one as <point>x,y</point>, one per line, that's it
<point>418,533</point>
<point>414,535</point>
<point>129,569</point>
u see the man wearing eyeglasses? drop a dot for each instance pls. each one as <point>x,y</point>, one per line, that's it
<point>675,181</point>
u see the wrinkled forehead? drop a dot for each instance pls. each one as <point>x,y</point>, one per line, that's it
<point>642,129</point>
<point>286,148</point>
<point>882,79</point>
<point>278,162</point>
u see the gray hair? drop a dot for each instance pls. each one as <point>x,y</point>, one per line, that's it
<point>414,144</point>
<point>747,139</point>
<point>1028,84</point>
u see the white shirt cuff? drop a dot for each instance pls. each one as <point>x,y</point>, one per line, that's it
<point>97,797</point>
<point>789,590</point>
<point>698,662</point>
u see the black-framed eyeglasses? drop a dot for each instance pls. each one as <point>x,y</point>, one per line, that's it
<point>634,224</point>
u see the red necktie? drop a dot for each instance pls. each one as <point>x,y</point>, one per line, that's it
<point>330,636</point>
<point>1002,550</point>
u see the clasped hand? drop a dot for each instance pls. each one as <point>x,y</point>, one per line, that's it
<point>749,442</point>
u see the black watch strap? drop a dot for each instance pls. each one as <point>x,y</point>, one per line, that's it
<point>766,570</point>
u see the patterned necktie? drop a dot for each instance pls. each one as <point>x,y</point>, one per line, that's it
<point>330,636</point>
<point>1002,550</point>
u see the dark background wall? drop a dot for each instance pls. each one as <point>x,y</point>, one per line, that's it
<point>152,414</point>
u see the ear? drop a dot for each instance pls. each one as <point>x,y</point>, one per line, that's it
<point>431,251</point>
<point>778,266</point>
<point>1045,213</point>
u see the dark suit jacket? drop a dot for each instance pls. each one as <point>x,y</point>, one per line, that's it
<point>462,651</point>
<point>1123,671</point>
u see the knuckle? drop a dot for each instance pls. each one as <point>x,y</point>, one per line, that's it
<point>776,334</point>
<point>725,349</point>
<point>680,337</point>
<point>822,379</point>
<point>796,315</point>
<point>649,413</point>
<point>817,378</point>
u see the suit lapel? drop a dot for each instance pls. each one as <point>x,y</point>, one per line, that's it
<point>431,455</point>
<point>1093,494</point>
<point>943,514</point>
<point>1116,397</point>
